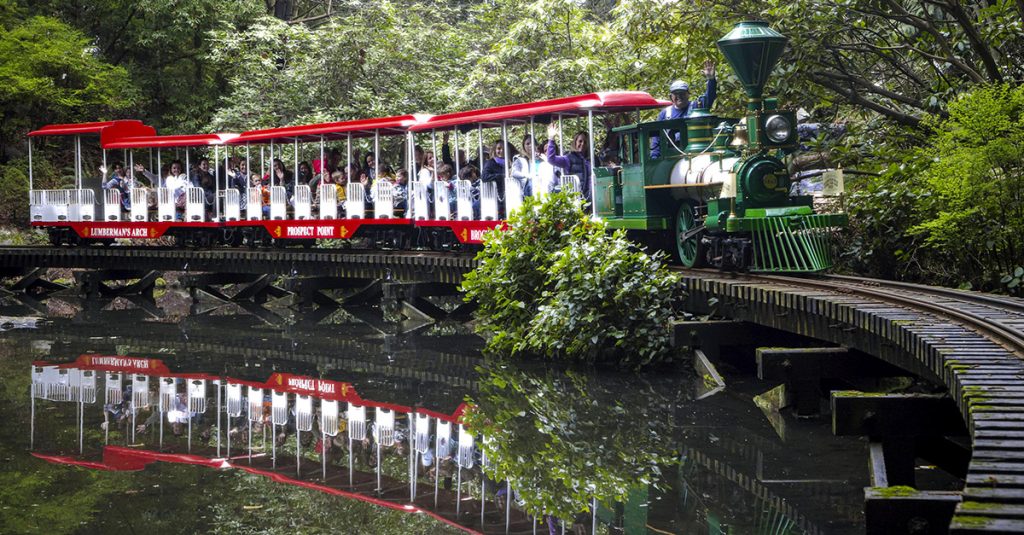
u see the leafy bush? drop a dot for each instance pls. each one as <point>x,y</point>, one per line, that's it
<point>558,286</point>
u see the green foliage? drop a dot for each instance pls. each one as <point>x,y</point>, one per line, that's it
<point>14,191</point>
<point>952,212</point>
<point>557,285</point>
<point>562,438</point>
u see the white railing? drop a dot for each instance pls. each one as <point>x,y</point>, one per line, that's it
<point>232,205</point>
<point>513,196</point>
<point>195,204</point>
<point>355,201</point>
<point>83,205</point>
<point>234,400</point>
<point>140,204</point>
<point>140,391</point>
<point>52,204</point>
<point>488,201</point>
<point>384,427</point>
<point>255,402</point>
<point>466,441</point>
<point>35,204</point>
<point>303,412</point>
<point>278,202</point>
<point>303,202</point>
<point>464,199</point>
<point>38,382</point>
<point>329,413</point>
<point>254,204</point>
<point>418,200</point>
<point>328,194</point>
<point>112,205</point>
<point>112,388</point>
<point>168,391</point>
<point>166,210</point>
<point>422,440</point>
<point>383,199</point>
<point>62,389</point>
<point>356,422</point>
<point>197,395</point>
<point>442,210</point>
<point>278,405</point>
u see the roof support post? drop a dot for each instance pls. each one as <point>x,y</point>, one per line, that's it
<point>455,155</point>
<point>505,152</point>
<point>593,166</point>
<point>159,168</point>
<point>30,181</point>
<point>480,138</point>
<point>376,154</point>
<point>216,180</point>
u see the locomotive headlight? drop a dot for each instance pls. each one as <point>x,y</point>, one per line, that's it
<point>777,128</point>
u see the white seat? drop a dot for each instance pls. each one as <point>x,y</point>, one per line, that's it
<point>165,207</point>
<point>83,205</point>
<point>328,194</point>
<point>234,401</point>
<point>278,405</point>
<point>442,210</point>
<point>112,388</point>
<point>112,205</point>
<point>254,204</point>
<point>303,202</point>
<point>513,196</point>
<point>278,202</point>
<point>197,395</point>
<point>356,422</point>
<point>384,427</point>
<point>570,183</point>
<point>383,199</point>
<point>254,400</point>
<point>140,204</point>
<point>466,443</point>
<point>195,203</point>
<point>464,199</point>
<point>168,391</point>
<point>88,388</point>
<point>232,205</point>
<point>140,391</point>
<point>355,201</point>
<point>36,201</point>
<point>329,411</point>
<point>489,201</point>
<point>303,411</point>
<point>418,196</point>
<point>422,429</point>
<point>55,204</point>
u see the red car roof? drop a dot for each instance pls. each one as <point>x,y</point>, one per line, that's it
<point>143,142</point>
<point>128,127</point>
<point>607,102</point>
<point>333,131</point>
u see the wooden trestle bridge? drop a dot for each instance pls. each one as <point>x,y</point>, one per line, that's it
<point>968,346</point>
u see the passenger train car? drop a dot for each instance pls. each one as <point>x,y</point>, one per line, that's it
<point>718,192</point>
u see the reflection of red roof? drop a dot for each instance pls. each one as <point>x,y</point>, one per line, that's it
<point>333,131</point>
<point>128,127</point>
<point>608,102</point>
<point>144,142</point>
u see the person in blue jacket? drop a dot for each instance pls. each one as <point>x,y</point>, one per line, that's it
<point>682,106</point>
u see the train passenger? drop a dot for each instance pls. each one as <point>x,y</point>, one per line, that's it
<point>444,174</point>
<point>576,162</point>
<point>472,175</point>
<point>305,173</point>
<point>494,168</point>
<point>334,160</point>
<point>257,182</point>
<point>364,179</point>
<point>524,165</point>
<point>446,153</point>
<point>369,164</point>
<point>682,106</point>
<point>426,170</point>
<point>119,181</point>
<point>401,194</point>
<point>546,177</point>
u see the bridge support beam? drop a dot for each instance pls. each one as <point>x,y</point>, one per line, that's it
<point>94,283</point>
<point>903,428</point>
<point>411,298</point>
<point>32,281</point>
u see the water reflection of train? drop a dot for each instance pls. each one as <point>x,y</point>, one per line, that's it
<point>322,434</point>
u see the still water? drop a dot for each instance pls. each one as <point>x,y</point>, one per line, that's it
<point>318,410</point>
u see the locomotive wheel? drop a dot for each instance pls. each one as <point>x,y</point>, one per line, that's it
<point>689,251</point>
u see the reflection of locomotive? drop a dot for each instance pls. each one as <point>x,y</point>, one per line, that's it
<point>720,189</point>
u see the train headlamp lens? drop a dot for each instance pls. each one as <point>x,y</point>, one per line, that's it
<point>777,128</point>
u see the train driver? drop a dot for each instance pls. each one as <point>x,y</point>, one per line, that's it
<point>682,106</point>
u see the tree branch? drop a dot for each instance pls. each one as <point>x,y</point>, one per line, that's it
<point>856,98</point>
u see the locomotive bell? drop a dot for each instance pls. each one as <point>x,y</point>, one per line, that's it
<point>752,50</point>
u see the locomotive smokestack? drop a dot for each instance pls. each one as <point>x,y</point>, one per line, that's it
<point>752,50</point>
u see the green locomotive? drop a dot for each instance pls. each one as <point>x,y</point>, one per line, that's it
<point>719,191</point>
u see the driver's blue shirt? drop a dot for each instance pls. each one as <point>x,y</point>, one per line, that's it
<point>704,101</point>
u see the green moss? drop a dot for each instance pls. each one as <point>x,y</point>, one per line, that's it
<point>898,491</point>
<point>972,521</point>
<point>977,506</point>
